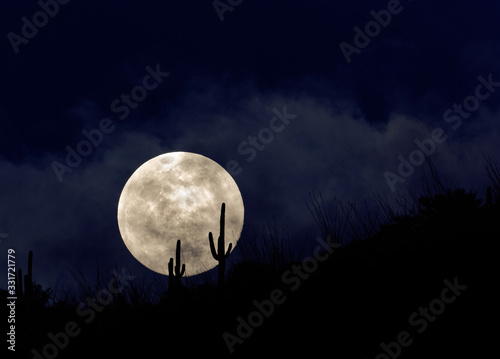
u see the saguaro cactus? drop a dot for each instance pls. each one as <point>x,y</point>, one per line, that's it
<point>28,278</point>
<point>24,289</point>
<point>220,255</point>
<point>27,290</point>
<point>175,275</point>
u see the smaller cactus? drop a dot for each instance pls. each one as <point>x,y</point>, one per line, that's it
<point>175,275</point>
<point>25,291</point>
<point>24,288</point>
<point>221,254</point>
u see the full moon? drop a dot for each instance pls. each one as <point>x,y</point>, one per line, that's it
<point>178,195</point>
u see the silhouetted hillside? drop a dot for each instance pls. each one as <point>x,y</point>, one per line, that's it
<point>343,305</point>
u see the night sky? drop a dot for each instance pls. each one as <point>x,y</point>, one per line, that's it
<point>350,105</point>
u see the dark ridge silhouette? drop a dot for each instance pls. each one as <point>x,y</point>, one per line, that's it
<point>221,253</point>
<point>357,300</point>
<point>174,276</point>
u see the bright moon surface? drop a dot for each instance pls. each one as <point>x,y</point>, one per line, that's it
<point>178,195</point>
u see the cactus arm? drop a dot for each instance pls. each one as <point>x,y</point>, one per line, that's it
<point>229,249</point>
<point>212,246</point>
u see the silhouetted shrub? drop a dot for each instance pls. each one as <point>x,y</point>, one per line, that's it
<point>453,203</point>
